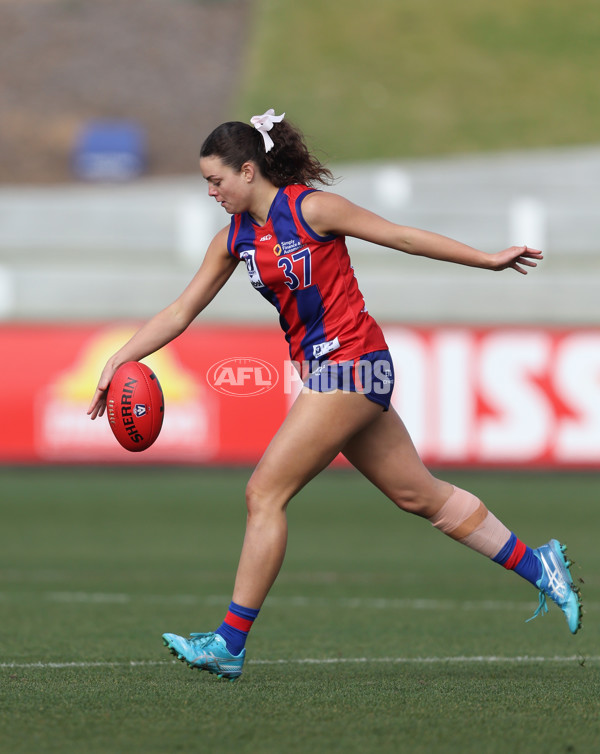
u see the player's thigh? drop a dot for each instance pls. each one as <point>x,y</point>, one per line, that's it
<point>315,430</point>
<point>385,454</point>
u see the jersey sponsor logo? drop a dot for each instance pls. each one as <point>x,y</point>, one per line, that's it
<point>268,237</point>
<point>286,247</point>
<point>320,349</point>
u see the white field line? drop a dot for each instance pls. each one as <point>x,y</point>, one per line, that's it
<point>459,660</point>
<point>357,603</point>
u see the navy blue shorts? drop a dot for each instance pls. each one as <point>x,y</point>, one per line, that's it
<point>371,374</point>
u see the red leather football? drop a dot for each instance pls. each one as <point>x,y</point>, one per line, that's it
<point>135,406</point>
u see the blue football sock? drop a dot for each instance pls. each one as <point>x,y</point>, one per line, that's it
<point>517,557</point>
<point>236,626</point>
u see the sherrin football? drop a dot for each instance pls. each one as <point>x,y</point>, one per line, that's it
<point>135,406</point>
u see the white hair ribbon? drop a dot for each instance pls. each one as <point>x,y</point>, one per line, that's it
<point>264,123</point>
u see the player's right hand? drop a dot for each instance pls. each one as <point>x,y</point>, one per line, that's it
<point>98,404</point>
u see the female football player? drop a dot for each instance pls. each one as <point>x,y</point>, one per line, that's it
<point>292,240</point>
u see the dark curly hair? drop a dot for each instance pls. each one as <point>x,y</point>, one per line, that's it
<point>288,161</point>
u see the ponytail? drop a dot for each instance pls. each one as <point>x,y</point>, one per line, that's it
<point>281,154</point>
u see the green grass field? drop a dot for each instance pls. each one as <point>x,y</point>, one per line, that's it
<point>380,635</point>
<point>389,79</point>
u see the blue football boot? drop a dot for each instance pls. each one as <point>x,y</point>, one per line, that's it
<point>556,583</point>
<point>206,652</point>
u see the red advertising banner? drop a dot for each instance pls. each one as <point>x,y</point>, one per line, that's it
<point>514,397</point>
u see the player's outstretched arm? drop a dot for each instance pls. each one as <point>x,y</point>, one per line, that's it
<point>216,269</point>
<point>328,213</point>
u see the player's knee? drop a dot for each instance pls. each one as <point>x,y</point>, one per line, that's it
<point>408,500</point>
<point>253,497</point>
<point>422,502</point>
<point>259,499</point>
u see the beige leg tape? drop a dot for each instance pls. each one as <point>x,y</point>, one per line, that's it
<point>465,518</point>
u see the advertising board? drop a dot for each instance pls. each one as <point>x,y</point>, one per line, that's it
<point>470,396</point>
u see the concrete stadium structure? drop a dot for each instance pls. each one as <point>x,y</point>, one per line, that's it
<point>92,252</point>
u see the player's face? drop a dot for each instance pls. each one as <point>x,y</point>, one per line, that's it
<point>228,187</point>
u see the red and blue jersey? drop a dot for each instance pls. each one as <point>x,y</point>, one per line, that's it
<point>308,278</point>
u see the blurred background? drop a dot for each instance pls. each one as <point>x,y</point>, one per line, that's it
<point>478,121</point>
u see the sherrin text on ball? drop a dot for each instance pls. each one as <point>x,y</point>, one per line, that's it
<point>135,406</point>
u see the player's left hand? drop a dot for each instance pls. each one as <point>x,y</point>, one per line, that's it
<point>516,257</point>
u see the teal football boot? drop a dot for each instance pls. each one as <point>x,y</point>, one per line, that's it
<point>206,652</point>
<point>556,583</point>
